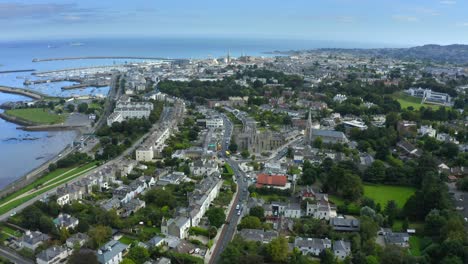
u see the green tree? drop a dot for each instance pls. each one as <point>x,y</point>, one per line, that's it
<point>391,119</point>
<point>250,222</point>
<point>127,261</point>
<point>245,153</point>
<point>216,216</point>
<point>395,255</point>
<point>391,210</point>
<point>83,256</point>
<point>83,107</point>
<point>71,107</point>
<point>138,254</point>
<point>99,234</point>
<point>368,228</point>
<point>327,257</point>
<point>309,174</point>
<point>160,198</point>
<point>318,143</point>
<point>375,172</point>
<point>233,146</point>
<point>257,211</point>
<point>277,250</point>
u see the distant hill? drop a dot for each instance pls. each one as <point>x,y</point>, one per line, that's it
<point>455,53</point>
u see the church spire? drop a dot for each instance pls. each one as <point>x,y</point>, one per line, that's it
<point>308,131</point>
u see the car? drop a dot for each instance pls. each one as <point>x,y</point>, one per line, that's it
<point>239,212</point>
<point>237,207</point>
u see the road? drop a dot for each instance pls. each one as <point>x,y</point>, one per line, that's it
<point>114,93</point>
<point>14,257</point>
<point>460,200</point>
<point>167,114</point>
<point>228,231</point>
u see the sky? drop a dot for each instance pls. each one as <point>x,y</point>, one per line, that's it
<point>390,22</point>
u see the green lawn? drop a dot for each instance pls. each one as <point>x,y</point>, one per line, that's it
<point>126,240</point>
<point>398,226</point>
<point>37,115</point>
<point>10,231</point>
<point>407,101</point>
<point>352,208</point>
<point>415,245</point>
<point>383,193</point>
<point>56,178</point>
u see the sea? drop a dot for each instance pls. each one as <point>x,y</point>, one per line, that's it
<point>21,151</point>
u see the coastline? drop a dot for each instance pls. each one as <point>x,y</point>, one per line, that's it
<point>16,120</point>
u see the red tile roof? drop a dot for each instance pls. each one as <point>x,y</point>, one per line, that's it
<point>271,180</point>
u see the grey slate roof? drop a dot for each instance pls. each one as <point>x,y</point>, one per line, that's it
<point>315,243</point>
<point>342,224</point>
<point>33,238</point>
<point>396,238</point>
<point>341,245</point>
<point>328,133</point>
<point>110,250</point>
<point>258,235</point>
<point>50,253</point>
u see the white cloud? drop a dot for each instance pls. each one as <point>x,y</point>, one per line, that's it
<point>448,2</point>
<point>426,11</point>
<point>346,19</point>
<point>404,18</point>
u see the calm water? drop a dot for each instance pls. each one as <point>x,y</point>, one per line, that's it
<point>22,151</point>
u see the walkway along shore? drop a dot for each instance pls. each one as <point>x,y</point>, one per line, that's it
<point>24,92</point>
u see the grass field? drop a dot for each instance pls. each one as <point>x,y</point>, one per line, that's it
<point>407,101</point>
<point>384,193</point>
<point>415,245</point>
<point>126,240</point>
<point>37,115</point>
<point>43,185</point>
<point>398,226</point>
<point>352,208</point>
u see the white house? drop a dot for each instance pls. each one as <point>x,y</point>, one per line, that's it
<point>215,122</point>
<point>66,221</point>
<point>53,255</point>
<point>340,98</point>
<point>203,167</point>
<point>427,130</point>
<point>114,118</point>
<point>111,252</point>
<point>32,240</point>
<point>177,227</point>
<point>313,246</point>
<point>321,210</point>
<point>341,249</point>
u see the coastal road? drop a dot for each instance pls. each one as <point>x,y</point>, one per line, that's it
<point>167,114</point>
<point>14,257</point>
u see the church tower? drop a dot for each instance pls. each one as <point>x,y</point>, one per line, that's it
<point>308,130</point>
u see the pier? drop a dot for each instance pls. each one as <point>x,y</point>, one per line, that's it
<point>84,85</point>
<point>50,127</point>
<point>101,57</point>
<point>13,71</point>
<point>21,91</point>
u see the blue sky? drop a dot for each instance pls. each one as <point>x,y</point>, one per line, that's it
<point>410,22</point>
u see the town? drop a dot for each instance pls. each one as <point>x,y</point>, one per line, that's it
<point>312,156</point>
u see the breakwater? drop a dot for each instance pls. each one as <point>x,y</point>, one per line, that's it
<point>100,58</point>
<point>20,91</point>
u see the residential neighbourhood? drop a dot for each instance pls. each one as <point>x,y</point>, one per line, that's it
<point>317,155</point>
